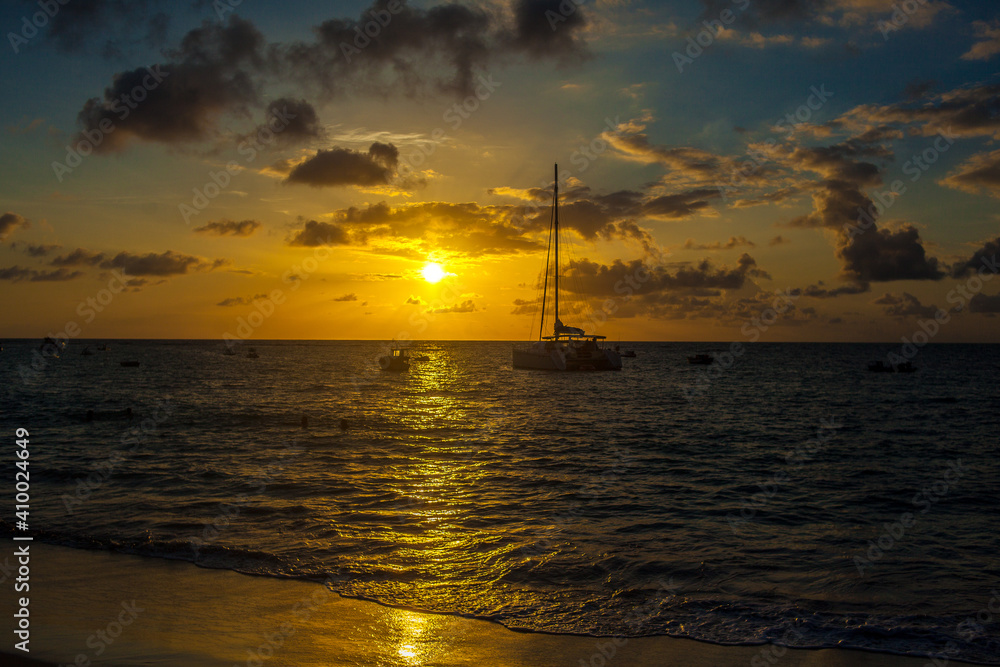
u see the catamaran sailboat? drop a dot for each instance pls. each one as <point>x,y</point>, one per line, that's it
<point>568,348</point>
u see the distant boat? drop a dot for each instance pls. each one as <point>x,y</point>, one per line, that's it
<point>568,348</point>
<point>130,364</point>
<point>252,353</point>
<point>702,359</point>
<point>229,352</point>
<point>102,348</point>
<point>880,367</point>
<point>905,367</point>
<point>86,352</point>
<point>627,353</point>
<point>396,361</point>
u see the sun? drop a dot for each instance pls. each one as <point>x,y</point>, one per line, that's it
<point>432,272</point>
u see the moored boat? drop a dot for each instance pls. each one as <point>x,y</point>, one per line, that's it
<point>568,348</point>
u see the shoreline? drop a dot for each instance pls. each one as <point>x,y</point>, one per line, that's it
<point>136,610</point>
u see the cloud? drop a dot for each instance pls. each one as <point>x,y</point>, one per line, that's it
<point>904,305</point>
<point>347,297</point>
<point>971,111</point>
<point>314,234</point>
<point>181,100</point>
<point>343,166</point>
<point>988,45</point>
<point>11,221</point>
<point>19,274</point>
<point>39,250</point>
<point>241,300</point>
<point>778,240</point>
<point>980,259</point>
<point>679,206</point>
<point>466,306</point>
<point>883,255</point>
<point>229,227</point>
<point>108,28</point>
<point>978,174</point>
<point>79,257</point>
<point>983,303</point>
<point>288,121</point>
<point>163,264</point>
<point>414,301</point>
<point>733,242</point>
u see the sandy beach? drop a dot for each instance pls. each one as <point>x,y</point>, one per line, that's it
<point>125,610</point>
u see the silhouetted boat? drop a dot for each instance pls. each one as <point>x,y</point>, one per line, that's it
<point>880,367</point>
<point>627,353</point>
<point>51,347</point>
<point>130,364</point>
<point>905,367</point>
<point>86,352</point>
<point>252,353</point>
<point>568,348</point>
<point>229,352</point>
<point>397,360</point>
<point>703,359</point>
<point>102,348</point>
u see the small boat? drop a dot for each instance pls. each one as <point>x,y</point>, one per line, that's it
<point>396,361</point>
<point>702,359</point>
<point>130,364</point>
<point>905,367</point>
<point>86,352</point>
<point>627,353</point>
<point>568,348</point>
<point>880,367</point>
<point>229,352</point>
<point>102,348</point>
<point>252,353</point>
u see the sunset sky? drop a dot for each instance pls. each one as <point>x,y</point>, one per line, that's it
<point>230,158</point>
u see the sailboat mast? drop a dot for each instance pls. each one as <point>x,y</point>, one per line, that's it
<point>555,208</point>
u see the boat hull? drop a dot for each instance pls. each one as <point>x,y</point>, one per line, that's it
<point>544,357</point>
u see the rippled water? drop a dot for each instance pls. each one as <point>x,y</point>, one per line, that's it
<point>795,497</point>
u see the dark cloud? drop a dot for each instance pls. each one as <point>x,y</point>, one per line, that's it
<point>18,274</point>
<point>979,174</point>
<point>678,206</point>
<point>465,307</point>
<point>982,258</point>
<point>241,300</point>
<point>79,257</point>
<point>287,122</point>
<point>904,306</point>
<point>982,303</point>
<point>229,227</point>
<point>163,264</point>
<point>587,277</point>
<point>778,240</point>
<point>314,234</point>
<point>40,250</point>
<point>414,301</point>
<point>212,74</point>
<point>733,242</point>
<point>883,255</point>
<point>343,166</point>
<point>970,112</point>
<point>547,28</point>
<point>820,291</point>
<point>347,297</point>
<point>108,28</point>
<point>11,221</point>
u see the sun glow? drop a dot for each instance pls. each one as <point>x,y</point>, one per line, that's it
<point>433,272</point>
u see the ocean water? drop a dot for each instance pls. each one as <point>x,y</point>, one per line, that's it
<point>791,497</point>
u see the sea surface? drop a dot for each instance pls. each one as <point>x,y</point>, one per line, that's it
<point>791,496</point>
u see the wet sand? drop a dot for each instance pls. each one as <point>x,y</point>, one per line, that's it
<point>127,610</point>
